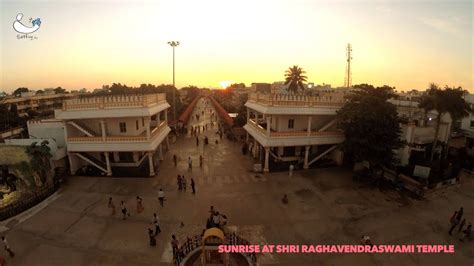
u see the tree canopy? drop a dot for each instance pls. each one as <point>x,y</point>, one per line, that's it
<point>448,100</point>
<point>370,124</point>
<point>294,78</point>
<point>19,91</point>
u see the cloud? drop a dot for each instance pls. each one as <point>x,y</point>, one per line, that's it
<point>385,10</point>
<point>448,25</point>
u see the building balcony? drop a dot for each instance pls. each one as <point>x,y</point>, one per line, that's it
<point>120,143</point>
<point>284,104</point>
<point>292,138</point>
<point>113,106</point>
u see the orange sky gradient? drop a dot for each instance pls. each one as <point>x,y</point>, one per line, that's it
<point>87,44</point>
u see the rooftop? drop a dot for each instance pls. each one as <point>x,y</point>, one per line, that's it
<point>114,101</point>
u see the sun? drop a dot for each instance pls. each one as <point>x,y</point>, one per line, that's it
<point>224,84</point>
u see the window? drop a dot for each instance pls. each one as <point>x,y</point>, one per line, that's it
<point>136,124</point>
<point>291,123</point>
<point>143,122</point>
<point>472,123</point>
<point>123,127</point>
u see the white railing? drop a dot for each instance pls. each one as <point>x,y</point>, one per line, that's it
<point>114,101</point>
<point>139,138</point>
<point>291,134</point>
<point>325,99</point>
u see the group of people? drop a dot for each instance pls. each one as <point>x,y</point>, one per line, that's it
<point>155,220</point>
<point>458,220</point>
<point>216,219</point>
<point>182,183</point>
<point>152,234</point>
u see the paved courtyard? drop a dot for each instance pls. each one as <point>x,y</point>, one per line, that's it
<point>326,207</point>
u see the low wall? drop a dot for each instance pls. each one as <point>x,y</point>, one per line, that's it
<point>30,200</point>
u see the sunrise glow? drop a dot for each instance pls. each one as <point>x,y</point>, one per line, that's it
<point>87,45</point>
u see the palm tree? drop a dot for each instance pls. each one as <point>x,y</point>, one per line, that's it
<point>449,100</point>
<point>457,108</point>
<point>433,100</point>
<point>294,77</point>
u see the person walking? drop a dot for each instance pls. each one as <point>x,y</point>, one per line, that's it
<point>7,247</point>
<point>124,210</point>
<point>460,214</point>
<point>161,197</point>
<point>461,226</point>
<point>190,163</point>
<point>175,160</point>
<point>285,199</point>
<point>156,223</point>
<point>180,184</point>
<point>152,237</point>
<point>175,246</point>
<point>467,233</point>
<point>454,222</point>
<point>192,186</point>
<point>200,161</point>
<point>183,180</point>
<point>111,206</point>
<point>140,205</point>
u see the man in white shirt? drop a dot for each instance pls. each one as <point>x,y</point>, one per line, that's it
<point>216,219</point>
<point>161,197</point>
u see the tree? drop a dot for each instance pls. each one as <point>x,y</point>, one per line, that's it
<point>449,100</point>
<point>40,156</point>
<point>39,92</point>
<point>19,91</point>
<point>59,90</point>
<point>294,77</point>
<point>371,125</point>
<point>4,117</point>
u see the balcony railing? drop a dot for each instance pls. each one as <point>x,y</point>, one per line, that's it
<point>291,134</point>
<point>327,99</point>
<point>114,101</point>
<point>139,138</point>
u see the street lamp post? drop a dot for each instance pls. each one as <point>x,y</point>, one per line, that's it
<point>174,44</point>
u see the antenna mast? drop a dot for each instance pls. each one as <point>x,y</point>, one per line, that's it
<point>348,78</point>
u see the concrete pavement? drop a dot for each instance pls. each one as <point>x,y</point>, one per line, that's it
<point>326,207</point>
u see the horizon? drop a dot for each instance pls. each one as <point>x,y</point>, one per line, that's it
<point>402,44</point>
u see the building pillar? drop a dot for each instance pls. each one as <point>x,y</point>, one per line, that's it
<point>309,125</point>
<point>116,157</point>
<point>268,125</point>
<point>160,152</point>
<point>166,115</point>
<point>102,129</point>
<point>147,127</point>
<point>151,164</point>
<point>158,119</point>
<point>167,143</point>
<point>267,155</point>
<point>255,148</point>
<point>136,157</point>
<point>248,121</point>
<point>72,165</point>
<point>107,161</point>
<point>306,155</point>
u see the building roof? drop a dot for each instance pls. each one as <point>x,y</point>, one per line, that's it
<point>184,117</point>
<point>222,112</point>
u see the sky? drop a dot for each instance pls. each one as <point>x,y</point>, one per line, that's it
<point>86,44</point>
